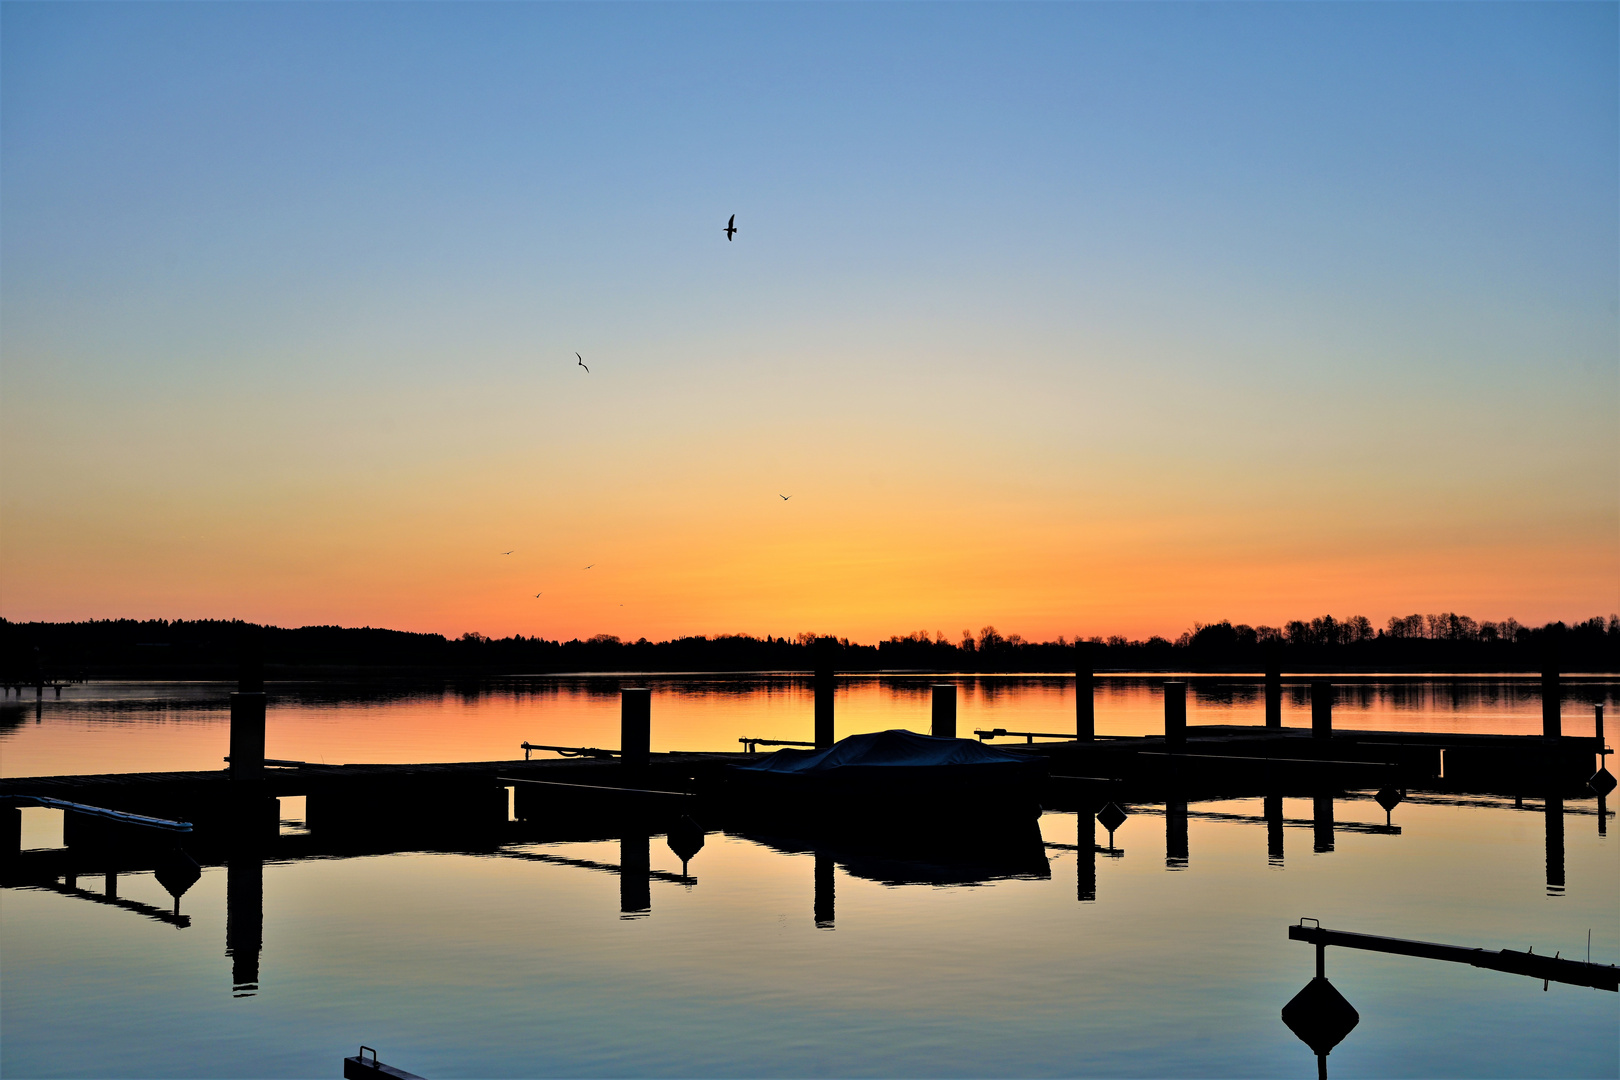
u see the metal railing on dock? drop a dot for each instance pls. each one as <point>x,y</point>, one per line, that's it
<point>750,744</point>
<point>568,751</point>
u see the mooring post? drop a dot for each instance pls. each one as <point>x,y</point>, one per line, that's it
<point>1175,715</point>
<point>1085,698</point>
<point>1552,721</point>
<point>635,727</point>
<point>1274,693</point>
<point>13,831</point>
<point>826,681</point>
<point>247,716</point>
<point>1321,710</point>
<point>944,726</point>
<point>826,884</point>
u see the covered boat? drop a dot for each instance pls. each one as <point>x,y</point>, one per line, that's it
<point>891,777</point>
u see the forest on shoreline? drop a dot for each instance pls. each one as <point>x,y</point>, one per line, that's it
<point>33,652</point>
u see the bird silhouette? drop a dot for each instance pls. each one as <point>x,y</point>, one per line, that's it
<point>588,567</point>
<point>731,227</point>
<point>538,595</point>
<point>508,552</point>
<point>784,498</point>
<point>582,364</point>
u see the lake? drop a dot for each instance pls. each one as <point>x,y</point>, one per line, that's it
<point>774,958</point>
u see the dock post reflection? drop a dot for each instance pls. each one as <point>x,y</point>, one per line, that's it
<point>1322,819</point>
<point>826,899</point>
<point>1085,843</point>
<point>1274,830</point>
<point>1085,697</point>
<point>1554,808</point>
<point>244,915</point>
<point>635,875</point>
<point>1175,834</point>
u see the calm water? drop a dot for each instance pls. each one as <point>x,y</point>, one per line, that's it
<point>498,963</point>
<point>134,727</point>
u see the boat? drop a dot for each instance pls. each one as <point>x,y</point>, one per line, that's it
<point>893,778</point>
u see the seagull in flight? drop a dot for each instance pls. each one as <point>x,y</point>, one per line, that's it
<point>508,552</point>
<point>731,227</point>
<point>581,360</point>
<point>538,595</point>
<point>784,498</point>
<point>588,567</point>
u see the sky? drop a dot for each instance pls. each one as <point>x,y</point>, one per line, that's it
<point>1070,319</point>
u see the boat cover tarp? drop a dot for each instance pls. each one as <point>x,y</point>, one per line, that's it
<point>886,749</point>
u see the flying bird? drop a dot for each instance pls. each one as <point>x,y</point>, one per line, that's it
<point>508,552</point>
<point>581,360</point>
<point>784,498</point>
<point>588,567</point>
<point>538,595</point>
<point>731,227</point>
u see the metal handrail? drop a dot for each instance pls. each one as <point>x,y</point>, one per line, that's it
<point>568,751</point>
<point>749,744</point>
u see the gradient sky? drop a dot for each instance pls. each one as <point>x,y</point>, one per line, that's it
<point>1071,319</point>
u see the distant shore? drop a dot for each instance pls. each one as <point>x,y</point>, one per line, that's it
<point>1435,647</point>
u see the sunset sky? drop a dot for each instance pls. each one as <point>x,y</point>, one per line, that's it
<point>1082,319</point>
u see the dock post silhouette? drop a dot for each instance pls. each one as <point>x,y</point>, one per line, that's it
<point>1552,721</point>
<point>1321,710</point>
<point>1085,697</point>
<point>826,890</point>
<point>825,683</point>
<point>1175,716</point>
<point>247,716</point>
<point>944,711</point>
<point>635,728</point>
<point>12,842</point>
<point>1274,693</point>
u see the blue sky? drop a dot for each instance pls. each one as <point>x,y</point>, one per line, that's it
<point>1330,288</point>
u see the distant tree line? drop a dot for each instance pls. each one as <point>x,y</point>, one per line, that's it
<point>127,648</point>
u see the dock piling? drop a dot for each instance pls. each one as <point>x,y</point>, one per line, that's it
<point>1273,694</point>
<point>944,718</point>
<point>1552,721</point>
<point>826,681</point>
<point>1175,715</point>
<point>635,727</point>
<point>1322,710</point>
<point>1085,699</point>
